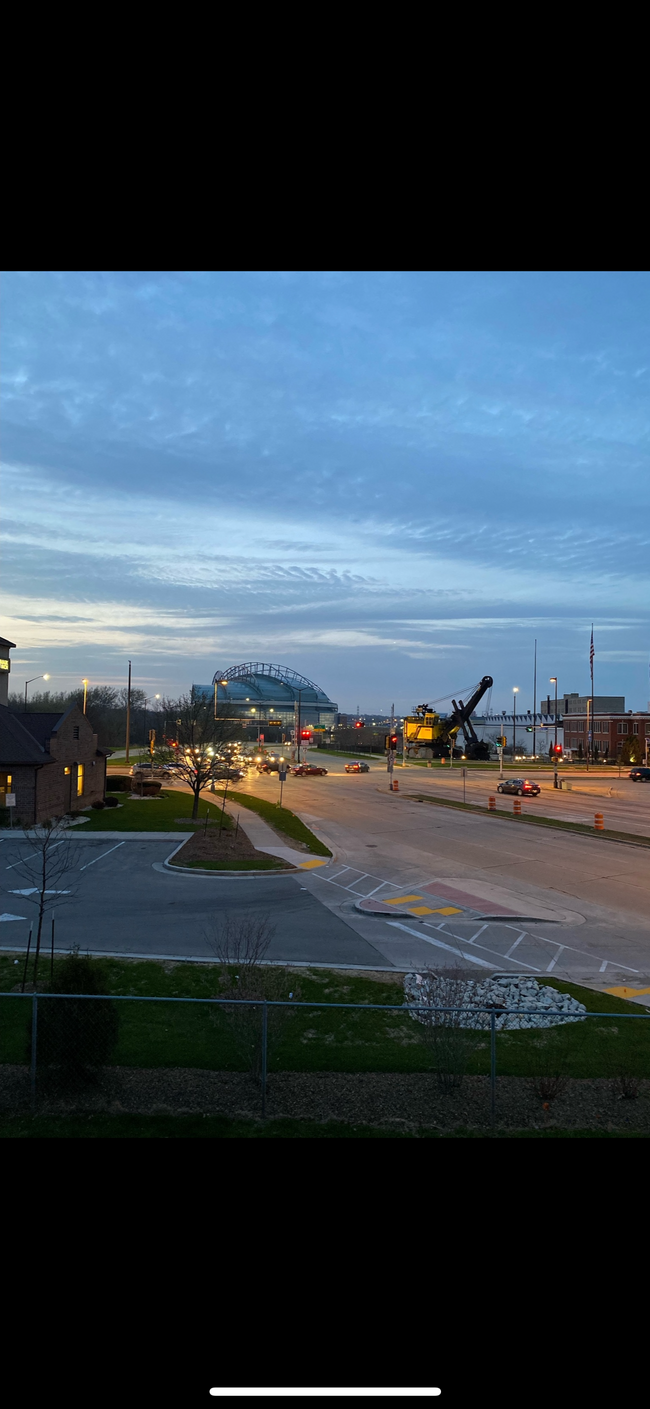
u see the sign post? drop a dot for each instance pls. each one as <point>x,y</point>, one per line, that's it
<point>282,775</point>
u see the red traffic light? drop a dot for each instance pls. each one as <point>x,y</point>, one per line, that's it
<point>359,724</point>
<point>305,733</point>
<point>557,748</point>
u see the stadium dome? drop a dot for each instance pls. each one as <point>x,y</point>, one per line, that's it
<point>264,692</point>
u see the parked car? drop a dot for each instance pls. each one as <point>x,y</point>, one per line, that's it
<point>521,786</point>
<point>640,775</point>
<point>270,765</point>
<point>357,767</point>
<point>307,770</point>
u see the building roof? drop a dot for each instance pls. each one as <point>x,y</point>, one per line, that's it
<point>41,726</point>
<point>17,744</point>
<point>269,684</point>
<point>4,642</point>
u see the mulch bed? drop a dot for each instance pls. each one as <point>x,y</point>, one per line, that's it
<point>368,1098</point>
<point>210,846</point>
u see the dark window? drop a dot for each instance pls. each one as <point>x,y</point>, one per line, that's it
<point>75,732</point>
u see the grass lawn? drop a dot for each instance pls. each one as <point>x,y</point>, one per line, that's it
<point>282,819</point>
<point>583,828</point>
<point>241,863</point>
<point>327,1039</point>
<point>221,1127</point>
<point>157,814</point>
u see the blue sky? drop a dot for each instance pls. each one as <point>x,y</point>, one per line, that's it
<point>392,482</point>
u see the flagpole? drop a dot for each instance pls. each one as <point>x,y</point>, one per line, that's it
<point>534,698</point>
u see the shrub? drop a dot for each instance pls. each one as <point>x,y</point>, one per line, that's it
<point>99,804</point>
<point>119,782</point>
<point>111,802</point>
<point>77,1035</point>
<point>5,816</point>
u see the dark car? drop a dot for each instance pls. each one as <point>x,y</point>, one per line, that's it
<point>269,765</point>
<point>357,767</point>
<point>308,770</point>
<point>521,786</point>
<point>640,775</point>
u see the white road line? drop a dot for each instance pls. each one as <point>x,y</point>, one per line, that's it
<point>374,892</point>
<point>428,939</point>
<point>478,932</point>
<point>514,946</point>
<point>554,961</point>
<point>31,856</point>
<point>603,966</point>
<point>101,858</point>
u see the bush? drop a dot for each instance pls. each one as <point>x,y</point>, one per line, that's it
<point>111,802</point>
<point>77,1035</point>
<point>119,782</point>
<point>99,803</point>
<point>5,816</point>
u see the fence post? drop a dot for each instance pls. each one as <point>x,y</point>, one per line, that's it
<point>264,1050</point>
<point>493,1064</point>
<point>32,1068</point>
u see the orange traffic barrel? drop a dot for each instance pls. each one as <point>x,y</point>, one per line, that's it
<point>599,821</point>
<point>396,786</point>
<point>516,807</point>
<point>492,804</point>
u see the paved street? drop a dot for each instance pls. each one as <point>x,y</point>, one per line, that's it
<point>410,885</point>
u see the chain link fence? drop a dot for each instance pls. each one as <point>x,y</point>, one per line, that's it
<point>74,1052</point>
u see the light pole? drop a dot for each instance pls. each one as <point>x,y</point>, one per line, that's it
<point>555,782</point>
<point>515,692</point>
<point>128,718</point>
<point>31,682</point>
<point>85,685</point>
<point>217,683</point>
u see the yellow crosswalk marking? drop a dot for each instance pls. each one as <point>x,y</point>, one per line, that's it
<point>309,865</point>
<point>627,992</point>
<point>421,910</point>
<point>447,910</point>
<point>402,899</point>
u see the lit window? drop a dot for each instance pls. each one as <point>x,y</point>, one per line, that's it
<point>80,779</point>
<point>66,771</point>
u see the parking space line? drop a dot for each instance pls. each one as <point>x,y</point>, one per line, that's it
<point>32,855</point>
<point>554,961</point>
<point>101,858</point>
<point>514,946</point>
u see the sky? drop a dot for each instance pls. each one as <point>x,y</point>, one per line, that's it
<point>392,482</point>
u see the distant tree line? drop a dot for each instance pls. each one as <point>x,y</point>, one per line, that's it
<point>106,710</point>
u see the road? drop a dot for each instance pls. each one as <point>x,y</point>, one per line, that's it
<point>436,886</point>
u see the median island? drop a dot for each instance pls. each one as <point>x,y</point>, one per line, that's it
<point>223,846</point>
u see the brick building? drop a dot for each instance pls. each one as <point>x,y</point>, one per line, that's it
<point>50,762</point>
<point>609,731</point>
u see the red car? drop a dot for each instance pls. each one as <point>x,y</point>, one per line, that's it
<point>307,770</point>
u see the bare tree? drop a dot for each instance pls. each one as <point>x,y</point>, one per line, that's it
<point>198,732</point>
<point>451,1029</point>
<point>240,944</point>
<point>45,869</point>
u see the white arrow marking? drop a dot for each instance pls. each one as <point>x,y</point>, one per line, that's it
<point>34,890</point>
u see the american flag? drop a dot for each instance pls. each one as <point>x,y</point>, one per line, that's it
<point>591,655</point>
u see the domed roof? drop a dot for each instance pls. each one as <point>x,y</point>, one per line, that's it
<point>258,680</point>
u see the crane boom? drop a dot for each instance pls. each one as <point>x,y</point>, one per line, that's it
<point>435,736</point>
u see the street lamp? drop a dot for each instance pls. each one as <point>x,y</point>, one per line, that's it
<point>85,685</point>
<point>553,681</point>
<point>515,692</point>
<point>31,682</point>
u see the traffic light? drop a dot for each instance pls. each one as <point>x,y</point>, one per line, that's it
<point>529,728</point>
<point>557,750</point>
<point>305,733</point>
<point>502,741</point>
<point>359,724</point>
<point>391,741</point>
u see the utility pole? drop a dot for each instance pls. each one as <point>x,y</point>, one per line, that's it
<point>535,701</point>
<point>555,778</point>
<point>128,717</point>
<point>588,733</point>
<point>515,692</point>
